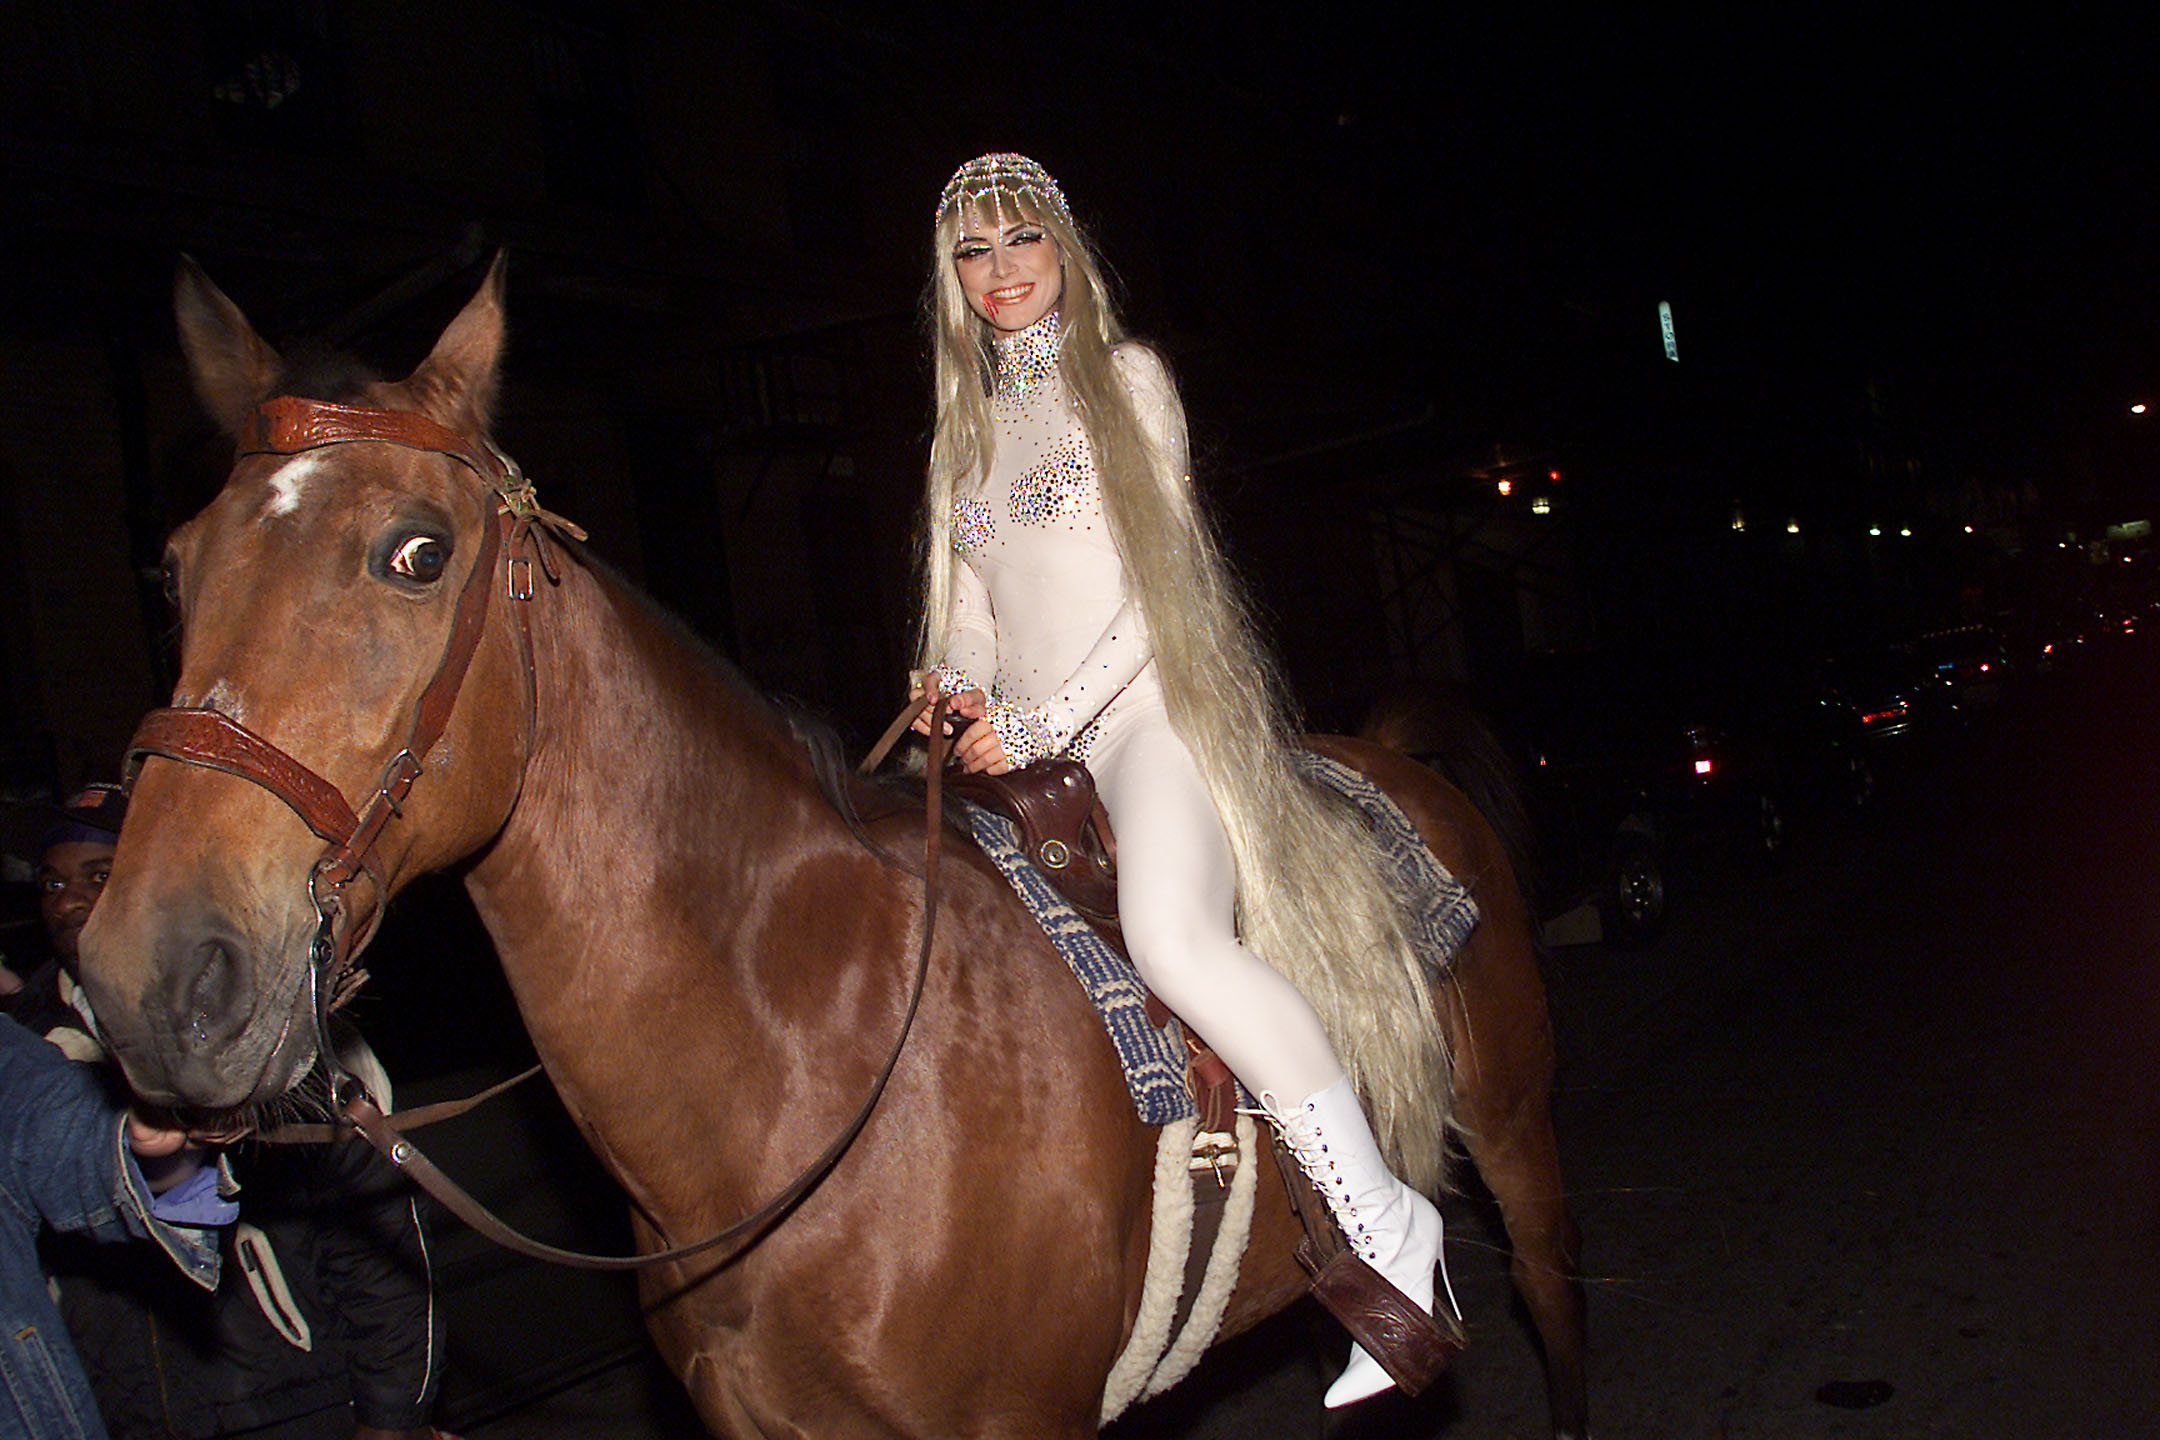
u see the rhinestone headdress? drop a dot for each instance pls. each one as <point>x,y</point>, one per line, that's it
<point>1003,174</point>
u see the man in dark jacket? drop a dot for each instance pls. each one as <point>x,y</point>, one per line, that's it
<point>323,1326</point>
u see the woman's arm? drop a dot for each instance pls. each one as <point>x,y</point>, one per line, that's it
<point>968,659</point>
<point>1119,654</point>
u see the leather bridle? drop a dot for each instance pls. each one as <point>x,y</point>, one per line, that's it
<point>205,736</point>
<point>202,735</point>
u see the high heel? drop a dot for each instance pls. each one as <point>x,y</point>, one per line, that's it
<point>1389,1225</point>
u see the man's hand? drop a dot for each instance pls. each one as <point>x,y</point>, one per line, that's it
<point>165,1153</point>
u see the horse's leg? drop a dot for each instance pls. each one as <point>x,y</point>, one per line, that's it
<point>1495,1014</point>
<point>1500,1037</point>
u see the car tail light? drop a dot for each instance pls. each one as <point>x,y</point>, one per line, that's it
<point>1703,765</point>
<point>1895,712</point>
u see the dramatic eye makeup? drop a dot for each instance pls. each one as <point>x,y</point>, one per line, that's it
<point>974,247</point>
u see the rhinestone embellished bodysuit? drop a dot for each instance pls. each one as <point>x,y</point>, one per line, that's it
<point>1040,612</point>
<point>1040,617</point>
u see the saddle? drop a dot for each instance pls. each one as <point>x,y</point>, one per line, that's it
<point>1063,828</point>
<point>1066,832</point>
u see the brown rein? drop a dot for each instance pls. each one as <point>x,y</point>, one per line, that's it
<point>290,425</point>
<point>386,1135</point>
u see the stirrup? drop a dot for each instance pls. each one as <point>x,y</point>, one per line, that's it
<point>1414,1347</point>
<point>1411,1344</point>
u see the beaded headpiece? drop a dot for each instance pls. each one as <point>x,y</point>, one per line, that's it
<point>1003,174</point>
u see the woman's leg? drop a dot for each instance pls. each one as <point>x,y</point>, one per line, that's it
<point>1177,904</point>
<point>1177,899</point>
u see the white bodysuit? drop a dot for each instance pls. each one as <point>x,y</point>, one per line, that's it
<point>1041,620</point>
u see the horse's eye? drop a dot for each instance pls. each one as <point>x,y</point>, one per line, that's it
<point>421,558</point>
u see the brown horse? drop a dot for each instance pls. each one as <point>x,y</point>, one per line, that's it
<point>711,959</point>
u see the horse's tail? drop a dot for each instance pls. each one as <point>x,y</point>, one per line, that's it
<point>1438,726</point>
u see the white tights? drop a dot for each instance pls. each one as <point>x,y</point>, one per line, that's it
<point>1177,903</point>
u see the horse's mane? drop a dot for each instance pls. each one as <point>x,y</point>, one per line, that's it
<point>318,372</point>
<point>837,783</point>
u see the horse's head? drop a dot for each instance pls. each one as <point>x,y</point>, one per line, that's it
<point>318,595</point>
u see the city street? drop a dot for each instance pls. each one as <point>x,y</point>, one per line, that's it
<point>1867,1147</point>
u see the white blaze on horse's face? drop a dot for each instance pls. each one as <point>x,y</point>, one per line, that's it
<point>289,484</point>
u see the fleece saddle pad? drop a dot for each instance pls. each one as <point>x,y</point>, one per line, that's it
<point>1441,910</point>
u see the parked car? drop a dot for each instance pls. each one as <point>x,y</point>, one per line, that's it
<point>1962,671</point>
<point>1878,690</point>
<point>1644,779</point>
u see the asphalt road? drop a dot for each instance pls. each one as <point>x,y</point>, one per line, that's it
<point>1867,1147</point>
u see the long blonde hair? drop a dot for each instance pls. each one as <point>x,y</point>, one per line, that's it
<point>1313,900</point>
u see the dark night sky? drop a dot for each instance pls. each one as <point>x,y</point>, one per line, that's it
<point>1386,249</point>
<point>1960,209</point>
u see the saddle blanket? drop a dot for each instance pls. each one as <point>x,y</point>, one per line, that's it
<point>1441,910</point>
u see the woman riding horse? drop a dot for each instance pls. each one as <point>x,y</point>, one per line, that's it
<point>1075,604</point>
<point>378,620</point>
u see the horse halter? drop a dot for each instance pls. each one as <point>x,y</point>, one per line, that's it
<point>202,735</point>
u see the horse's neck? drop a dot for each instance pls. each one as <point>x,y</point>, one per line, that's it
<point>660,801</point>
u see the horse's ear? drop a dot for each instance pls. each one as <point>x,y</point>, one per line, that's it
<point>456,383</point>
<point>232,366</point>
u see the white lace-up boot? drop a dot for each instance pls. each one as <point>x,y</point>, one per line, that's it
<point>1391,1227</point>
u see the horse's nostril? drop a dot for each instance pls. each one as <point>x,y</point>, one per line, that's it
<point>216,992</point>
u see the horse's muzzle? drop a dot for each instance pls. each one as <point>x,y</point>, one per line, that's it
<point>206,1032</point>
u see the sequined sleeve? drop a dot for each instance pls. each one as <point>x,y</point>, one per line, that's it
<point>969,657</point>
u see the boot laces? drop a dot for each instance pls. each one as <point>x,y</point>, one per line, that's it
<point>1307,1143</point>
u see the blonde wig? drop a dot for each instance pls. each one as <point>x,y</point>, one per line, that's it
<point>1313,898</point>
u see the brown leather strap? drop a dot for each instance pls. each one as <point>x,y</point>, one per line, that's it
<point>431,713</point>
<point>1409,1343</point>
<point>1210,1197</point>
<point>389,1141</point>
<point>292,424</point>
<point>211,738</point>
<point>408,1119</point>
<point>894,731</point>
